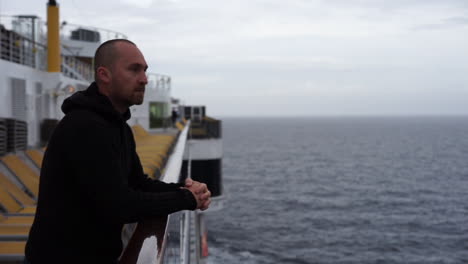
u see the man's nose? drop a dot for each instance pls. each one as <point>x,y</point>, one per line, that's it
<point>144,79</point>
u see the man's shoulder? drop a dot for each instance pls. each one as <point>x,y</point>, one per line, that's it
<point>84,118</point>
<point>83,123</point>
<point>81,128</point>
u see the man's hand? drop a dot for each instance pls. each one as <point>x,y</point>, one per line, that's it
<point>200,192</point>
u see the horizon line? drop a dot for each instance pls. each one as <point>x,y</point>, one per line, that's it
<point>347,116</point>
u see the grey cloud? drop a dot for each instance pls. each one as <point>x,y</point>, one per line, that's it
<point>444,24</point>
<point>396,4</point>
<point>457,20</point>
<point>219,54</point>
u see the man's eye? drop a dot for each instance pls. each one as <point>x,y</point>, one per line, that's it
<point>134,69</point>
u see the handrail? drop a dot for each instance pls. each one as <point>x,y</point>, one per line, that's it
<point>17,48</point>
<point>171,174</point>
<point>159,81</point>
<point>65,27</point>
<point>74,68</point>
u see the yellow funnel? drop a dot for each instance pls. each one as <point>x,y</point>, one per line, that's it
<point>53,37</point>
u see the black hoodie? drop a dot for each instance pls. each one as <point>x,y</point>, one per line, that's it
<point>91,184</point>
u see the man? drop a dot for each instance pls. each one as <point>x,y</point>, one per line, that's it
<point>174,117</point>
<point>92,182</point>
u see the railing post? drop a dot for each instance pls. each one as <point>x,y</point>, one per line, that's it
<point>186,239</point>
<point>10,47</point>
<point>197,236</point>
<point>22,58</point>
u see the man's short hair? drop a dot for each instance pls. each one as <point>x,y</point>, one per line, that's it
<point>106,54</point>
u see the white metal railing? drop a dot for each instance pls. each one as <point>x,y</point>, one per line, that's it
<point>77,69</point>
<point>19,47</point>
<point>23,40</point>
<point>159,82</point>
<point>35,28</point>
<point>31,27</point>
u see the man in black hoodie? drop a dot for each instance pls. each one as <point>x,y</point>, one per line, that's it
<point>92,182</point>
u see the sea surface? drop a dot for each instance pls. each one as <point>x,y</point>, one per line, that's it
<point>343,190</point>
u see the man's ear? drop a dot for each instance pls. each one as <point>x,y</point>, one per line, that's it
<point>104,74</point>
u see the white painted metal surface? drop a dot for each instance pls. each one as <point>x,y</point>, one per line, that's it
<point>79,48</point>
<point>174,164</point>
<point>205,149</point>
<point>53,86</point>
<point>149,252</point>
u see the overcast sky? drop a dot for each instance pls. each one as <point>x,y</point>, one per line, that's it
<point>295,57</point>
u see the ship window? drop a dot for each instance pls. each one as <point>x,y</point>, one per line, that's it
<point>159,114</point>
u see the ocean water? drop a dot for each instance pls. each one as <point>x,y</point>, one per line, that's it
<point>343,190</point>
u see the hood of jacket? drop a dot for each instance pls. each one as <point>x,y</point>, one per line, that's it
<point>92,100</point>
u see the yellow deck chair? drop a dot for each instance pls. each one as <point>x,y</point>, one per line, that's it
<point>14,232</point>
<point>164,138</point>
<point>25,174</point>
<point>149,171</point>
<point>36,156</point>
<point>159,158</point>
<point>152,148</point>
<point>147,152</point>
<point>154,164</point>
<point>139,131</point>
<point>16,220</point>
<point>150,142</point>
<point>180,126</point>
<point>16,191</point>
<point>12,250</point>
<point>152,172</point>
<point>153,161</point>
<point>156,159</point>
<point>151,167</point>
<point>152,152</point>
<point>11,206</point>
